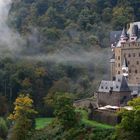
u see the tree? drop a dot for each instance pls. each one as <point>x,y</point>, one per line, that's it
<point>121,16</point>
<point>129,127</point>
<point>3,128</point>
<point>64,111</point>
<point>23,118</point>
<point>3,106</point>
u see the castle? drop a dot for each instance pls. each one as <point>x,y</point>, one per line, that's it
<point>124,83</point>
<point>125,68</point>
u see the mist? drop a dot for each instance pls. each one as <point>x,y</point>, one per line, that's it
<point>10,40</point>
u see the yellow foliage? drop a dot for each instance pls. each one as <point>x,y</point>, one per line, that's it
<point>23,107</point>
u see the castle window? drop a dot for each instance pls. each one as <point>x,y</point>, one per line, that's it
<point>118,72</point>
<point>136,71</point>
<point>102,87</point>
<point>106,88</point>
<point>128,62</point>
<point>119,80</point>
<point>118,64</point>
<point>133,54</point>
<point>129,55</point>
<point>137,62</point>
<point>117,86</point>
<point>114,78</point>
<point>118,57</point>
<point>129,71</point>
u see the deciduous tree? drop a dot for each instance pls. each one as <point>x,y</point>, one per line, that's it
<point>23,118</point>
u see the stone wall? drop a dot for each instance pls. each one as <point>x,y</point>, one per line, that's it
<point>105,116</point>
<point>86,103</point>
<point>114,98</point>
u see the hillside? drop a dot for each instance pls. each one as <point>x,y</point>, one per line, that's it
<point>66,46</point>
<point>53,52</point>
<point>74,24</point>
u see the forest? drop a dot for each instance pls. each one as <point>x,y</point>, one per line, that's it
<point>62,57</point>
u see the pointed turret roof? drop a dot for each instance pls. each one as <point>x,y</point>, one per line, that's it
<point>125,64</point>
<point>124,33</point>
<point>113,56</point>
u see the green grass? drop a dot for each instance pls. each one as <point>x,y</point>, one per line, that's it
<point>91,122</point>
<point>42,122</point>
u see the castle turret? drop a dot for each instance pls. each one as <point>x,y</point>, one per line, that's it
<point>112,67</point>
<point>125,68</point>
<point>124,36</point>
<point>134,33</point>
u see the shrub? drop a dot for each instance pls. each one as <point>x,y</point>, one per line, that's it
<point>3,128</point>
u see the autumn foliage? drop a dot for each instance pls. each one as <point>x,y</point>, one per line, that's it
<point>23,118</point>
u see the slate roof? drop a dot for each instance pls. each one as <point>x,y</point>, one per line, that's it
<point>134,30</point>
<point>119,85</point>
<point>124,33</point>
<point>114,37</point>
<point>113,56</point>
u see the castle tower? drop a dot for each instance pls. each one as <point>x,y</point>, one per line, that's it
<point>134,33</point>
<point>125,68</point>
<point>112,67</point>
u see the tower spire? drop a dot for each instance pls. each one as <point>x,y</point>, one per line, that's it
<point>123,37</point>
<point>125,68</point>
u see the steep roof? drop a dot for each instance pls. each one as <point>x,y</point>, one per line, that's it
<point>124,33</point>
<point>125,64</point>
<point>119,85</point>
<point>114,37</point>
<point>113,56</point>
